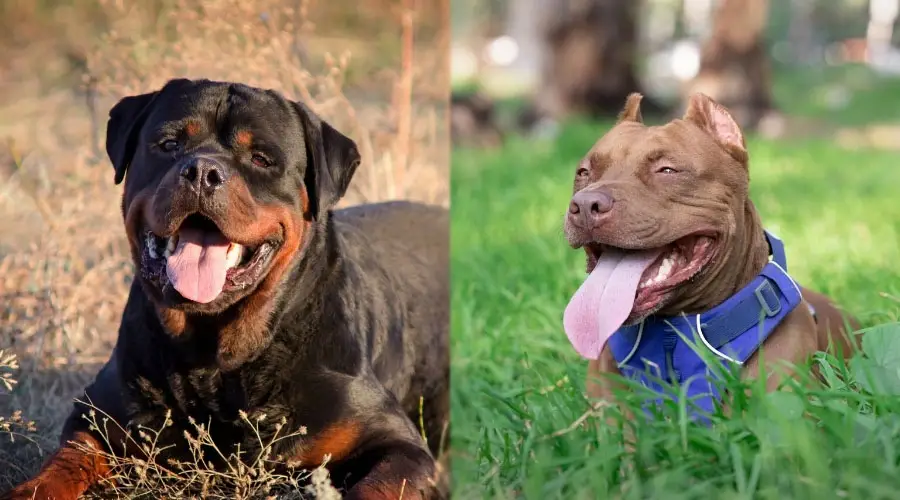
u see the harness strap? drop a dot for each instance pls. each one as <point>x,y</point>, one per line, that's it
<point>764,302</point>
<point>776,250</point>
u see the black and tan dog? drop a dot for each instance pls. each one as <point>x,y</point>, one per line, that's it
<point>252,296</point>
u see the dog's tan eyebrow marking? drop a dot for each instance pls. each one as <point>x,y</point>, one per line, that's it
<point>243,138</point>
<point>192,128</point>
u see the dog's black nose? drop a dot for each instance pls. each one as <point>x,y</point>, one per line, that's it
<point>590,205</point>
<point>203,174</point>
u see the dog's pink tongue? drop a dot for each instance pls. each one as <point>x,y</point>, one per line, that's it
<point>605,299</point>
<point>197,267</point>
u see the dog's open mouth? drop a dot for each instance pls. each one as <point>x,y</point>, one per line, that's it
<point>666,268</point>
<point>200,263</point>
<point>625,286</point>
<point>647,276</point>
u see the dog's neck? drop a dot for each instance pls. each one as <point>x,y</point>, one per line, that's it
<point>741,257</point>
<point>243,332</point>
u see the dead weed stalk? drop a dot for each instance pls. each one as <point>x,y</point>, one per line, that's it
<point>210,473</point>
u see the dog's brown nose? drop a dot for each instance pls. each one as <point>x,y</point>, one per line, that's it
<point>203,175</point>
<point>588,206</point>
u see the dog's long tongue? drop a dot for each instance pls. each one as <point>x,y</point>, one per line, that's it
<point>197,267</point>
<point>605,299</point>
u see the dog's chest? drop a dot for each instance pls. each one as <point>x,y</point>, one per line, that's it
<point>229,411</point>
<point>208,391</point>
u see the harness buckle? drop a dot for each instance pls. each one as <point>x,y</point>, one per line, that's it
<point>767,298</point>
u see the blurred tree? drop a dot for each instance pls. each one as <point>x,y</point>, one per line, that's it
<point>589,57</point>
<point>734,64</point>
<point>801,31</point>
<point>880,32</point>
<point>523,17</point>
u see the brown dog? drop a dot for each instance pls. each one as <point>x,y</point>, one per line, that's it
<point>664,215</point>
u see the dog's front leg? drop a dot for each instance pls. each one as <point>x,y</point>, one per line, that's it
<point>67,473</point>
<point>601,387</point>
<point>79,463</point>
<point>396,471</point>
<point>377,453</point>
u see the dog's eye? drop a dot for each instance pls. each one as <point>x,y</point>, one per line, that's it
<point>666,170</point>
<point>260,160</point>
<point>582,172</point>
<point>168,145</point>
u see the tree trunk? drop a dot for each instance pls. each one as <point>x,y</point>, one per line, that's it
<point>588,64</point>
<point>880,32</point>
<point>801,32</point>
<point>523,22</point>
<point>734,65</point>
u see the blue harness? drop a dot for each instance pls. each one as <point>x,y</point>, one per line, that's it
<point>731,331</point>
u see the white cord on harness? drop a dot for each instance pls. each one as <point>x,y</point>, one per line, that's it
<point>710,347</point>
<point>788,277</point>
<point>634,348</point>
<point>783,270</point>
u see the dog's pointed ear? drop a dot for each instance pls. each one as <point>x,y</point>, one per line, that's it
<point>126,119</point>
<point>632,110</point>
<point>332,159</point>
<point>716,121</point>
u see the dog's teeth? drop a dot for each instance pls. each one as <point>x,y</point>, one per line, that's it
<point>170,245</point>
<point>665,268</point>
<point>151,246</point>
<point>233,255</point>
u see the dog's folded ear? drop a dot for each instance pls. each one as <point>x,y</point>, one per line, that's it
<point>632,110</point>
<point>716,121</point>
<point>126,119</point>
<point>332,159</point>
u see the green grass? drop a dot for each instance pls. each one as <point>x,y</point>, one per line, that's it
<point>513,274</point>
<point>870,98</point>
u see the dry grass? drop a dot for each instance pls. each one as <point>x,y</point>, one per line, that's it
<point>239,476</point>
<point>379,75</point>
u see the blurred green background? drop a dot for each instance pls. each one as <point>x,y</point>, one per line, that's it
<point>815,86</point>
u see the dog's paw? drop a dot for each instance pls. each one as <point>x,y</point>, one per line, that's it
<point>41,489</point>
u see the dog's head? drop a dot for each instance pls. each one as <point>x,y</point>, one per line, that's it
<point>223,184</point>
<point>654,206</point>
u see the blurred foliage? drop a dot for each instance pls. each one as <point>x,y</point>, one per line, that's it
<point>833,19</point>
